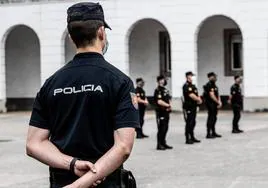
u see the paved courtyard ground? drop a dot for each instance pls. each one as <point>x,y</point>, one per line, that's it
<point>234,161</point>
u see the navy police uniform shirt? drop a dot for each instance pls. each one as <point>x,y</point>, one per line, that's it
<point>189,88</point>
<point>83,103</point>
<point>236,94</point>
<point>141,94</point>
<point>211,87</point>
<point>161,93</point>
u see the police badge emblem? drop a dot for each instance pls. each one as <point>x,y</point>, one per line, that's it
<point>134,100</point>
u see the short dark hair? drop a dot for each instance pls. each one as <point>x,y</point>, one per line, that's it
<point>84,33</point>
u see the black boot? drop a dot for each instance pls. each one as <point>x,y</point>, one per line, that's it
<point>215,135</point>
<point>195,140</point>
<point>160,147</point>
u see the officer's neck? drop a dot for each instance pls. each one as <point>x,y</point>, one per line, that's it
<point>86,49</point>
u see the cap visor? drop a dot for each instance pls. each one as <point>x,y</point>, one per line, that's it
<point>106,25</point>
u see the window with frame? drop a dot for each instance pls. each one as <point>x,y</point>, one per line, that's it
<point>233,52</point>
<point>165,53</point>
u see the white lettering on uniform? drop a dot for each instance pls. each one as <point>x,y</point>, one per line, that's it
<point>98,88</point>
<point>68,90</point>
<point>88,87</point>
<point>57,91</point>
<point>76,91</point>
<point>82,89</point>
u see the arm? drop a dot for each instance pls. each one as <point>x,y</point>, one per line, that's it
<point>213,97</point>
<point>142,101</point>
<point>39,147</point>
<point>163,103</point>
<point>195,98</point>
<point>114,158</point>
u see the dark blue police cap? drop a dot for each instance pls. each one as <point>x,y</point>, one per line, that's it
<point>86,11</point>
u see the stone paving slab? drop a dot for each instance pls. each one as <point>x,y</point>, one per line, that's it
<point>234,161</point>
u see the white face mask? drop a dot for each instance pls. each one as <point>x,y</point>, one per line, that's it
<point>105,48</point>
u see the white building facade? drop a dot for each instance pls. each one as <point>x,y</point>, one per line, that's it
<point>148,38</point>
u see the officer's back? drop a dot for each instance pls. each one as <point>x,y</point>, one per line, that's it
<point>81,98</point>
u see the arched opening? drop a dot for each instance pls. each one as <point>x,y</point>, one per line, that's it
<point>149,52</point>
<point>219,49</point>
<point>69,48</point>
<point>22,60</point>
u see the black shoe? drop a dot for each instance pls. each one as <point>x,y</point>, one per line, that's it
<point>235,131</point>
<point>139,136</point>
<point>195,140</point>
<point>240,131</point>
<point>168,147</point>
<point>160,147</point>
<point>209,136</point>
<point>144,136</point>
<point>189,142</point>
<point>216,135</point>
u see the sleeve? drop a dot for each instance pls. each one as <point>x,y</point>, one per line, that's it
<point>127,114</point>
<point>210,88</point>
<point>189,90</point>
<point>39,117</point>
<point>158,95</point>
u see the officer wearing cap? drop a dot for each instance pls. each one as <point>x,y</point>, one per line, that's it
<point>143,102</point>
<point>213,103</point>
<point>84,117</point>
<point>236,100</point>
<point>191,101</point>
<point>163,109</point>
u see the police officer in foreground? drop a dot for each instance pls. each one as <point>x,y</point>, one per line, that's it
<point>163,109</point>
<point>213,103</point>
<point>191,101</point>
<point>143,102</point>
<point>236,100</point>
<point>84,117</point>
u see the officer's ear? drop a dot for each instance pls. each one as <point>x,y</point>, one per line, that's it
<point>101,33</point>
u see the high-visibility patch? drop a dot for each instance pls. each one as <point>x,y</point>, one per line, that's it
<point>190,89</point>
<point>160,96</point>
<point>138,94</point>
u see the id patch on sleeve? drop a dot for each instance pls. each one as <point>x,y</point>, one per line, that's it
<point>134,100</point>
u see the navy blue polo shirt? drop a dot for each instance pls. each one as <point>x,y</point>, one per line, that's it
<point>82,105</point>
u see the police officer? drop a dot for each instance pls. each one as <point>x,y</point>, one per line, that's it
<point>236,100</point>
<point>191,100</point>
<point>84,117</point>
<point>163,109</point>
<point>213,103</point>
<point>143,102</point>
